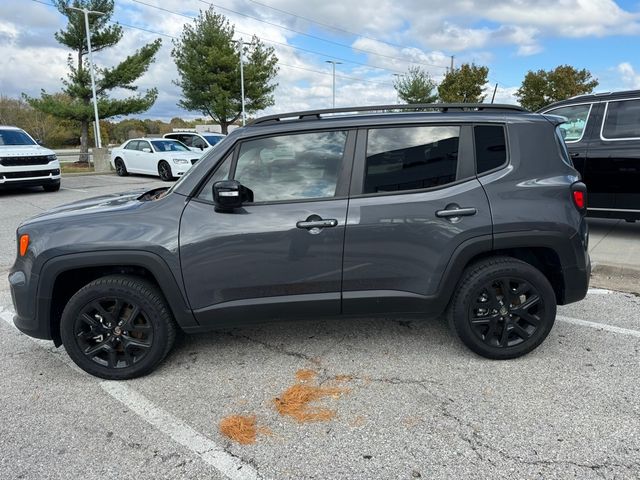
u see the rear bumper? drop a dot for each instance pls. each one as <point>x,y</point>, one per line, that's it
<point>576,282</point>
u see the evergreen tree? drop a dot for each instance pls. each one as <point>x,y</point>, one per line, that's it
<point>208,62</point>
<point>76,103</point>
<point>416,86</point>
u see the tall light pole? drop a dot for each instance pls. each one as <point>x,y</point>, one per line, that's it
<point>334,63</point>
<point>241,45</point>
<point>91,69</point>
<point>398,77</point>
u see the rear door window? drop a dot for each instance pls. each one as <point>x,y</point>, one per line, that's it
<point>622,120</point>
<point>411,158</point>
<point>491,147</point>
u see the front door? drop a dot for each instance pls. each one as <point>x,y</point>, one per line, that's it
<point>416,199</point>
<point>280,255</point>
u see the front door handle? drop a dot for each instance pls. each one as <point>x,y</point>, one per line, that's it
<point>456,212</point>
<point>310,224</point>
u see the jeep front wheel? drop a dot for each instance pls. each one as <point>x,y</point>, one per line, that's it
<point>117,327</point>
<point>503,308</point>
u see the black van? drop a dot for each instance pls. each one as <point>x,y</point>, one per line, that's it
<point>603,138</point>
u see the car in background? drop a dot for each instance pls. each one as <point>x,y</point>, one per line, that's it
<point>164,157</point>
<point>197,141</point>
<point>602,134</point>
<point>23,162</point>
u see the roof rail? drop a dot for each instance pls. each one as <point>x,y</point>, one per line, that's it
<point>442,107</point>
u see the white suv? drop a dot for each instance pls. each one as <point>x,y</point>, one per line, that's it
<point>23,162</point>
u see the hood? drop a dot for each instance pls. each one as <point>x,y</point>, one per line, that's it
<point>91,206</point>
<point>24,150</point>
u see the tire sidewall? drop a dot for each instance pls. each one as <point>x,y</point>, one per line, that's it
<point>459,318</point>
<point>95,291</point>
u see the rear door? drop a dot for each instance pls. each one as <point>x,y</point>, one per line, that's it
<point>614,159</point>
<point>414,200</point>
<point>131,154</point>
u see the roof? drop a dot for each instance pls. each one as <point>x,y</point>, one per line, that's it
<point>10,127</point>
<point>595,97</point>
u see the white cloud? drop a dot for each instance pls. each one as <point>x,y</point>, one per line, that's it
<point>630,78</point>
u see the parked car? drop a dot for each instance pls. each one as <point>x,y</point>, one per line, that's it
<point>23,162</point>
<point>164,157</point>
<point>197,141</point>
<point>603,137</point>
<point>475,211</point>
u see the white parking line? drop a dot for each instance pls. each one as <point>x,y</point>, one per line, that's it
<point>599,326</point>
<point>599,291</point>
<point>75,189</point>
<point>209,451</point>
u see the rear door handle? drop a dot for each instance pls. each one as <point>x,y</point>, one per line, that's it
<point>309,224</point>
<point>456,212</point>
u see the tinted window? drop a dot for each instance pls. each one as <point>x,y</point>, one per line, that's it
<point>142,145</point>
<point>213,139</point>
<point>292,167</point>
<point>577,116</point>
<point>491,148</point>
<point>197,142</point>
<point>169,146</point>
<point>221,173</point>
<point>15,137</point>
<point>411,158</point>
<point>622,120</point>
<point>132,145</point>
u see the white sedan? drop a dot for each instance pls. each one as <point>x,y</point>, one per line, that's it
<point>153,156</point>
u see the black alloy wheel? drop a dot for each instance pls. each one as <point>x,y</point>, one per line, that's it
<point>113,332</point>
<point>502,308</point>
<point>507,312</point>
<point>117,327</point>
<point>164,170</point>
<point>121,168</point>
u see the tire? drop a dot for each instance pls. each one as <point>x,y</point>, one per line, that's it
<point>164,170</point>
<point>51,187</point>
<point>121,168</point>
<point>490,325</point>
<point>123,345</point>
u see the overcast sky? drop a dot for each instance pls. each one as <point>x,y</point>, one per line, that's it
<point>374,39</point>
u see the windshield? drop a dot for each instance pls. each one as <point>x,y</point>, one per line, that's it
<point>213,139</point>
<point>15,137</point>
<point>169,146</point>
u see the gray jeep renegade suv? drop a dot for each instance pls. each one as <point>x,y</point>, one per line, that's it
<point>472,210</point>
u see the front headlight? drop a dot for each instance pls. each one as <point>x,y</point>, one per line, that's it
<point>181,161</point>
<point>52,158</point>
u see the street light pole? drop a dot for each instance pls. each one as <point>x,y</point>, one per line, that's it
<point>91,70</point>
<point>241,45</point>
<point>334,63</point>
<point>398,77</point>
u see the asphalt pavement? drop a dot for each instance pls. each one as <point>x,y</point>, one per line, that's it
<point>413,402</point>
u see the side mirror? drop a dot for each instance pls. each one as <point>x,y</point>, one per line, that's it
<point>146,150</point>
<point>229,195</point>
<point>201,147</point>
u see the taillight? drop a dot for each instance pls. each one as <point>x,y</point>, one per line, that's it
<point>579,196</point>
<point>24,244</point>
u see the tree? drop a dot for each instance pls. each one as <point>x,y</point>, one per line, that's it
<point>76,103</point>
<point>541,88</point>
<point>416,86</point>
<point>464,84</point>
<point>208,62</point>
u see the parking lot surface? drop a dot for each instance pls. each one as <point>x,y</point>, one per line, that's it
<point>412,401</point>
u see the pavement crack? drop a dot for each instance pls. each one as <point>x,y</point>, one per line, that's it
<point>275,348</point>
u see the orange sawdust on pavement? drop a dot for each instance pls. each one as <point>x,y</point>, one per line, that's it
<point>304,375</point>
<point>239,428</point>
<point>295,401</point>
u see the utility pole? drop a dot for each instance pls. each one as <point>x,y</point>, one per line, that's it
<point>397,75</point>
<point>334,63</point>
<point>452,57</point>
<point>241,45</point>
<point>96,125</point>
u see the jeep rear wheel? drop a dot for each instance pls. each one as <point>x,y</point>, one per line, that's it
<point>503,308</point>
<point>117,327</point>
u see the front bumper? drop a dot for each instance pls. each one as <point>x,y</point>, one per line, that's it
<point>24,294</point>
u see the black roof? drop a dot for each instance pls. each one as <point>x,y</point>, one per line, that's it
<point>594,97</point>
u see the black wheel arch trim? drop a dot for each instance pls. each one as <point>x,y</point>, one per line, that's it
<point>152,262</point>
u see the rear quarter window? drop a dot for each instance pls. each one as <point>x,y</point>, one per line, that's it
<point>491,147</point>
<point>622,120</point>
